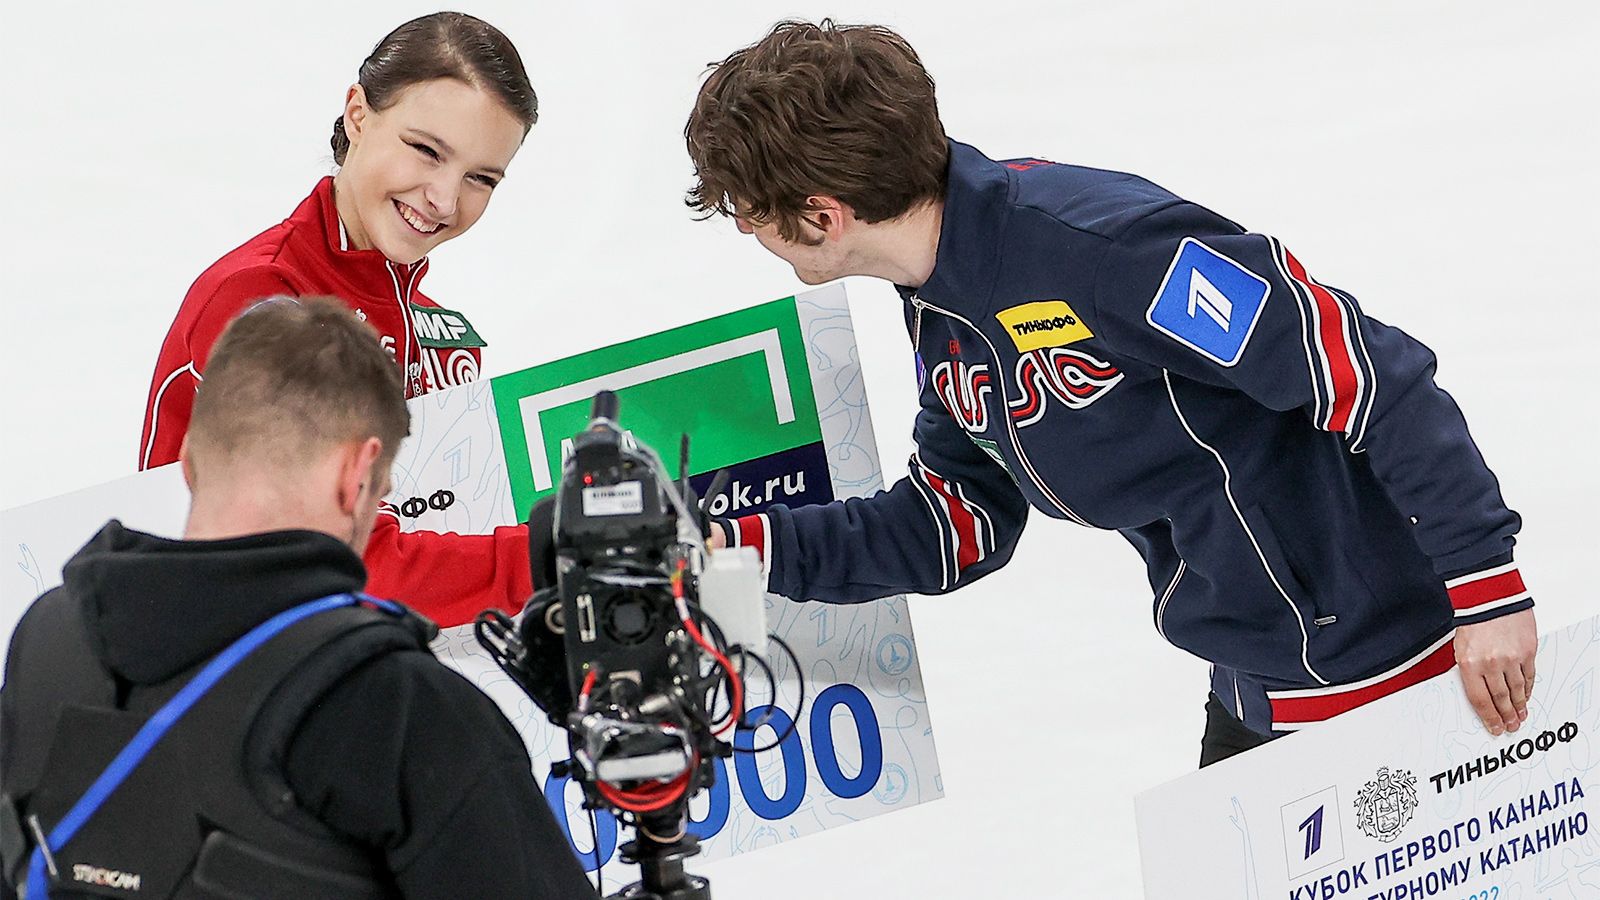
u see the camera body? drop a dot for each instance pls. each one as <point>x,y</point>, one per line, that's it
<point>617,648</point>
<point>618,544</point>
<point>615,533</point>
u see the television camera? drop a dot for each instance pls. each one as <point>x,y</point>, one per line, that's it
<point>637,642</point>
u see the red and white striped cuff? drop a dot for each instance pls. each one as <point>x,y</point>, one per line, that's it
<point>1487,590</point>
<point>753,531</point>
<point>1294,709</point>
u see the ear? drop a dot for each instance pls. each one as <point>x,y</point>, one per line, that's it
<point>830,215</point>
<point>358,477</point>
<point>187,462</point>
<point>355,111</point>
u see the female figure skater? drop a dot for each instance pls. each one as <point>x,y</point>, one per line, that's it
<point>440,109</point>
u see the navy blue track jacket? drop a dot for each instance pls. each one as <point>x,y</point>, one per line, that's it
<point>1314,516</point>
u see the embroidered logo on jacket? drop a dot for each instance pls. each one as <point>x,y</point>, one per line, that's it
<point>1073,378</point>
<point>1208,302</point>
<point>443,329</point>
<point>993,450</point>
<point>965,391</point>
<point>1046,323</point>
<point>443,369</point>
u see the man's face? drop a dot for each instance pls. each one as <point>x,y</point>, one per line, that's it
<point>815,257</point>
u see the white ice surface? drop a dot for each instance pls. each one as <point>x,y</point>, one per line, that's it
<point>1436,159</point>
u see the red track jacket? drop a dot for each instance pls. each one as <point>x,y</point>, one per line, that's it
<point>448,577</point>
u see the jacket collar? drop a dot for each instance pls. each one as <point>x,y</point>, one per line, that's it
<point>976,204</point>
<point>321,233</point>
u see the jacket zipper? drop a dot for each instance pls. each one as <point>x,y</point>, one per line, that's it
<point>403,300</point>
<point>1005,402</point>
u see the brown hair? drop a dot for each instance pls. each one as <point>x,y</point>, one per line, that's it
<point>443,45</point>
<point>843,111</point>
<point>292,377</point>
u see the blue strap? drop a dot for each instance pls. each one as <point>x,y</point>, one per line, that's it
<point>167,716</point>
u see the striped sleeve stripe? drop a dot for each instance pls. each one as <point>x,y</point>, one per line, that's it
<point>1293,710</point>
<point>966,525</point>
<point>930,500</point>
<point>755,531</point>
<point>963,525</point>
<point>1345,376</point>
<point>981,516</point>
<point>1307,329</point>
<point>1363,410</point>
<point>1487,590</point>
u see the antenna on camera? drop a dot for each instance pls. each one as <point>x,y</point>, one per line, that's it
<point>605,406</point>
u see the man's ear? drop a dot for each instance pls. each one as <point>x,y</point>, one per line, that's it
<point>830,215</point>
<point>187,462</point>
<point>358,473</point>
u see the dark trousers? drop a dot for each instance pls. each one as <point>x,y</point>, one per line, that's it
<point>1225,735</point>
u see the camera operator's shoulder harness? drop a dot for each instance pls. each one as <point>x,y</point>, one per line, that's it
<point>206,812</point>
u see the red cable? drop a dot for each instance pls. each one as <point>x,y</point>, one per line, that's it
<point>659,796</point>
<point>647,799</point>
<point>736,711</point>
<point>583,694</point>
<point>651,798</point>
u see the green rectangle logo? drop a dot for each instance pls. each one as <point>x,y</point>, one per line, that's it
<point>738,385</point>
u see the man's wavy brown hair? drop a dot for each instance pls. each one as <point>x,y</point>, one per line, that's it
<point>843,111</point>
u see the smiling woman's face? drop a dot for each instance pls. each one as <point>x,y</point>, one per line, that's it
<point>420,171</point>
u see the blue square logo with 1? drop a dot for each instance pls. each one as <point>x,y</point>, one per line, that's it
<point>1208,302</point>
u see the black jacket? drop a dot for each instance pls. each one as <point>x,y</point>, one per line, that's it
<point>403,756</point>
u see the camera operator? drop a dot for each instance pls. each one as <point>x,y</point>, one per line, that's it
<point>339,758</point>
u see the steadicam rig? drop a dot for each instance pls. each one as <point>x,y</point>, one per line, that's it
<point>638,643</point>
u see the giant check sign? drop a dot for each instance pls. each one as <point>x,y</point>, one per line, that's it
<point>774,394</point>
<point>1406,798</point>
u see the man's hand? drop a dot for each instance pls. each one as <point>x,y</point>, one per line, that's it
<point>717,540</point>
<point>1496,660</point>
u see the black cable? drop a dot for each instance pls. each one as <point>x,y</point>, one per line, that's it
<point>716,687</point>
<point>710,690</point>
<point>725,678</point>
<point>695,711</point>
<point>496,623</point>
<point>799,707</point>
<point>772,680</point>
<point>707,688</point>
<point>772,685</point>
<point>599,867</point>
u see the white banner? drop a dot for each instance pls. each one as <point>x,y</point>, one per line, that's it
<point>1407,797</point>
